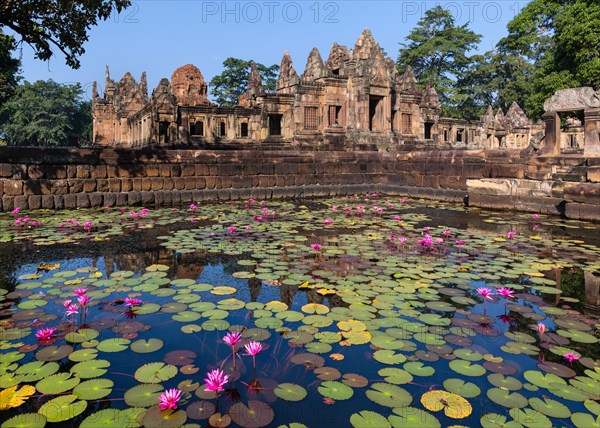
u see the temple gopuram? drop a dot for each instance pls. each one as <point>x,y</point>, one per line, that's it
<point>355,100</point>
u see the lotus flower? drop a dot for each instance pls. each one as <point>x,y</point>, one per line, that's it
<point>80,291</point>
<point>507,293</point>
<point>511,235</point>
<point>215,381</point>
<point>232,338</point>
<point>571,356</point>
<point>486,293</point>
<point>253,348</point>
<point>541,327</point>
<point>169,399</point>
<point>72,309</point>
<point>45,333</point>
<point>129,301</point>
<point>84,300</point>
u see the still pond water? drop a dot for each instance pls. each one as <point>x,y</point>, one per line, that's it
<point>369,311</point>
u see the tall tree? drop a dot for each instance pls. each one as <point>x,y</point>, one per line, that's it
<point>227,87</point>
<point>47,25</point>
<point>437,50</point>
<point>561,40</point>
<point>45,113</point>
<point>9,67</point>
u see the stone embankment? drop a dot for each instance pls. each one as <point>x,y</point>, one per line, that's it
<point>61,178</point>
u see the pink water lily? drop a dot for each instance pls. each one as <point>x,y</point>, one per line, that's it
<point>193,207</point>
<point>232,338</point>
<point>460,243</point>
<point>80,291</point>
<point>571,356</point>
<point>45,333</point>
<point>17,210</point>
<point>253,349</point>
<point>511,235</point>
<point>72,309</point>
<point>84,300</point>
<point>507,293</point>
<point>535,216</point>
<point>130,301</point>
<point>541,327</point>
<point>215,381</point>
<point>67,303</point>
<point>447,233</point>
<point>327,222</point>
<point>88,225</point>
<point>486,293</point>
<point>169,399</point>
<point>316,247</point>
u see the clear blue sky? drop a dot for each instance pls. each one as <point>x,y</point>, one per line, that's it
<point>158,36</point>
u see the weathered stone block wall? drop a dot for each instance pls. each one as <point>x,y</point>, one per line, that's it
<point>33,178</point>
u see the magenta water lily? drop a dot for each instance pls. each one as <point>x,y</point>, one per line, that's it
<point>169,399</point>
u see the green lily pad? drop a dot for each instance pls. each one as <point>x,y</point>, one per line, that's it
<point>530,418</point>
<point>62,408</point>
<point>144,395</point>
<point>111,418</point>
<point>146,346</point>
<point>585,420</point>
<point>290,392</point>
<point>466,368</point>
<point>367,418</point>
<point>462,388</point>
<point>90,369</point>
<point>25,420</point>
<point>411,417</point>
<point>155,372</point>
<point>335,390</point>
<point>494,420</point>
<point>93,389</point>
<point>386,356</point>
<point>36,370</point>
<point>389,395</point>
<point>417,368</point>
<point>115,344</point>
<point>57,383</point>
<point>506,398</point>
<point>82,335</point>
<point>395,375</point>
<point>548,407</point>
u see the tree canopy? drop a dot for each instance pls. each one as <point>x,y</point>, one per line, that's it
<point>46,113</point>
<point>551,45</point>
<point>227,87</point>
<point>9,67</point>
<point>437,50</point>
<point>49,25</point>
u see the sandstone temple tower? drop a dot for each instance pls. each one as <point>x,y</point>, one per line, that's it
<point>355,99</point>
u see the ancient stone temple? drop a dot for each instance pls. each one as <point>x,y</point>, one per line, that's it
<point>356,99</point>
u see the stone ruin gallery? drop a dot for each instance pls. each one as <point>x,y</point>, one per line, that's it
<point>355,100</point>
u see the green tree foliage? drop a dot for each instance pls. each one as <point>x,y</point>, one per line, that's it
<point>47,25</point>
<point>46,113</point>
<point>9,67</point>
<point>560,39</point>
<point>437,50</point>
<point>232,82</point>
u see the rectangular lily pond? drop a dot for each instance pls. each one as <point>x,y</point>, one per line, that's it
<point>364,311</point>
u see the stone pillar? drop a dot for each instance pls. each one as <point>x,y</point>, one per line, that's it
<point>552,138</point>
<point>591,131</point>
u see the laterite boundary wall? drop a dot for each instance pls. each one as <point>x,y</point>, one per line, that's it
<point>64,178</point>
